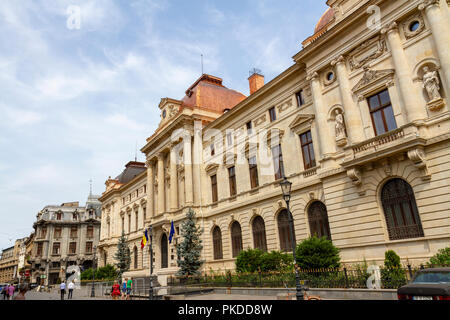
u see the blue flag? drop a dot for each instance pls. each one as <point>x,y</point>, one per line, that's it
<point>146,235</point>
<point>172,232</point>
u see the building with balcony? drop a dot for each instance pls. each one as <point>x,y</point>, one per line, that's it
<point>65,235</point>
<point>360,124</point>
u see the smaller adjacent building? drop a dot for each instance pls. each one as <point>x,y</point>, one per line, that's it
<point>9,262</point>
<point>65,235</point>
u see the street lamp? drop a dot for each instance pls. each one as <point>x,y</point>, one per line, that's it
<point>286,186</point>
<point>150,291</point>
<point>93,274</point>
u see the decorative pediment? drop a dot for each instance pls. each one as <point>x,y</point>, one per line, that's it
<point>211,168</point>
<point>284,106</point>
<point>300,121</point>
<point>260,120</point>
<point>373,78</point>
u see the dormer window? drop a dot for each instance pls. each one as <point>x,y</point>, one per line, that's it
<point>58,216</point>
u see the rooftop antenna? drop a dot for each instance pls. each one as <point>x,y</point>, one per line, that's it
<point>202,63</point>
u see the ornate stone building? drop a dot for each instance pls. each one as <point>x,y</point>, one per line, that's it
<point>360,124</point>
<point>10,261</point>
<point>65,235</point>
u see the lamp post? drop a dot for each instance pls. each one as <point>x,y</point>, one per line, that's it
<point>150,291</point>
<point>93,274</point>
<point>286,189</point>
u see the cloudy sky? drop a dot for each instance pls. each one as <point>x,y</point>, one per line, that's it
<point>76,96</point>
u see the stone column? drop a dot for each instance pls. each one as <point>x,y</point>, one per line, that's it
<point>197,158</point>
<point>161,204</point>
<point>173,179</point>
<point>403,71</point>
<point>326,143</point>
<point>188,179</point>
<point>150,189</point>
<point>352,114</point>
<point>439,24</point>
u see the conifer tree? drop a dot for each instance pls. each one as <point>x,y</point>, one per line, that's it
<point>189,250</point>
<point>123,255</point>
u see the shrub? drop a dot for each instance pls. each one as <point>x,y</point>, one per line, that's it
<point>317,253</point>
<point>392,274</point>
<point>253,260</point>
<point>107,272</point>
<point>440,259</point>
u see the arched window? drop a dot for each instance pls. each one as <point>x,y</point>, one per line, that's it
<point>400,209</point>
<point>318,220</point>
<point>164,252</point>
<point>259,234</point>
<point>135,256</point>
<point>236,238</point>
<point>217,243</point>
<point>284,231</point>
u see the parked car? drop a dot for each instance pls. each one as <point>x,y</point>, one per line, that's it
<point>427,284</point>
<point>33,285</point>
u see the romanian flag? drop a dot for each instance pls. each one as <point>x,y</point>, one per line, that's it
<point>144,239</point>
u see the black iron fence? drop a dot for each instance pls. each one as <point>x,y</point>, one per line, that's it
<point>385,278</point>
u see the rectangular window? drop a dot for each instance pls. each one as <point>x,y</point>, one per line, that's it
<point>43,232</point>
<point>39,249</point>
<point>123,225</point>
<point>211,147</point>
<point>249,127</point>
<point>381,112</point>
<point>145,213</point>
<point>72,247</point>
<point>253,167</point>
<point>89,247</point>
<point>90,232</point>
<point>136,214</point>
<point>129,223</point>
<point>73,232</point>
<point>309,159</point>
<point>56,248</point>
<point>232,179</point>
<point>214,188</point>
<point>229,139</point>
<point>300,98</point>
<point>277,156</point>
<point>272,114</point>
<point>57,232</point>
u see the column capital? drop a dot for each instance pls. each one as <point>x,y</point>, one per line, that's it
<point>338,60</point>
<point>160,156</point>
<point>312,76</point>
<point>428,4</point>
<point>392,27</point>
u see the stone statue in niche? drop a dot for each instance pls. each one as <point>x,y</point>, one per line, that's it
<point>341,135</point>
<point>431,84</point>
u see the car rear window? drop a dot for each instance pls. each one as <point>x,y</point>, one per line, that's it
<point>432,277</point>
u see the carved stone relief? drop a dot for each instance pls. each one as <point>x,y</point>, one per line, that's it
<point>366,52</point>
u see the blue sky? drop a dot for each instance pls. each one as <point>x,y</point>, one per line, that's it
<point>74,102</point>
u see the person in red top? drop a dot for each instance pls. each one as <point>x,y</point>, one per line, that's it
<point>115,290</point>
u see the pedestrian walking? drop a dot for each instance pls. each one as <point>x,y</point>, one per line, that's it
<point>62,288</point>
<point>115,293</point>
<point>71,286</point>
<point>11,290</point>
<point>124,289</point>
<point>129,288</point>
<point>4,291</point>
<point>22,290</point>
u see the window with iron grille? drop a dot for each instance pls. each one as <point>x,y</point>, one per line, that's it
<point>236,238</point>
<point>217,243</point>
<point>381,112</point>
<point>400,209</point>
<point>232,179</point>
<point>272,114</point>
<point>309,159</point>
<point>135,256</point>
<point>318,220</point>
<point>214,188</point>
<point>284,231</point>
<point>57,232</point>
<point>277,156</point>
<point>72,247</point>
<point>253,167</point>
<point>259,233</point>
<point>164,252</point>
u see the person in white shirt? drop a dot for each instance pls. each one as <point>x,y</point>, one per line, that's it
<point>62,287</point>
<point>70,286</point>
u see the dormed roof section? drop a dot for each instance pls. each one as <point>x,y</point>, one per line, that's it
<point>208,92</point>
<point>132,169</point>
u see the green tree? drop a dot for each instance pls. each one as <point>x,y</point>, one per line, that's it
<point>122,256</point>
<point>316,253</point>
<point>440,259</point>
<point>189,250</point>
<point>248,260</point>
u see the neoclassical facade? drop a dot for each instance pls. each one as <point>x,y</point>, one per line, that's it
<point>65,235</point>
<point>360,124</point>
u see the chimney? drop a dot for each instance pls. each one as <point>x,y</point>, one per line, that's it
<point>256,80</point>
